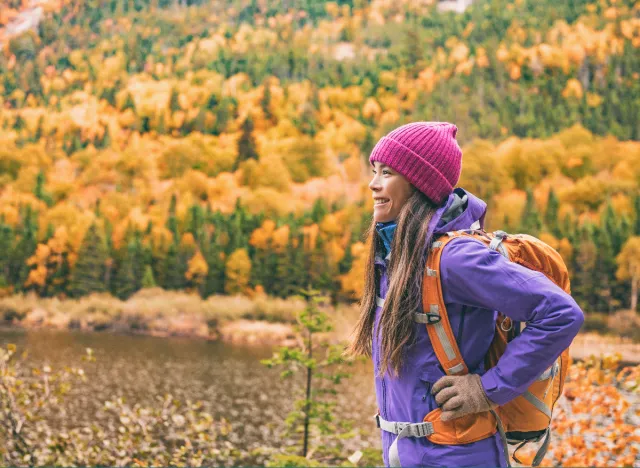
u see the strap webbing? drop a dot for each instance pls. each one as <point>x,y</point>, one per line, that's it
<point>403,429</point>
<point>503,437</point>
<point>440,332</point>
<point>540,405</point>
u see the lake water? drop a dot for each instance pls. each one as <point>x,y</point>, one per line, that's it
<point>230,380</point>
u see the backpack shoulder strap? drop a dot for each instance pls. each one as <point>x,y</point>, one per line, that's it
<point>435,315</point>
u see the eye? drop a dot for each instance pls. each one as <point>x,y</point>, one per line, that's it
<point>384,171</point>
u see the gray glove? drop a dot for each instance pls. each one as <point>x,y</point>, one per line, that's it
<point>461,395</point>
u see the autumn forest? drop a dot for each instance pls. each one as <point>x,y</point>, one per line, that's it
<point>222,148</point>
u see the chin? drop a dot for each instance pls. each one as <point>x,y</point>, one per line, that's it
<point>382,219</point>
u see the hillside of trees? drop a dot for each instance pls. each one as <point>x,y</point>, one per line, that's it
<point>222,147</point>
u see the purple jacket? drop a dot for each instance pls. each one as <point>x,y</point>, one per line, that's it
<point>476,283</point>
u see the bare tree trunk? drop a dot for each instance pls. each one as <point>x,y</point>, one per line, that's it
<point>308,405</point>
<point>634,292</point>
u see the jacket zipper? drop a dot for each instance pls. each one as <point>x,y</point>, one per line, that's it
<point>383,410</point>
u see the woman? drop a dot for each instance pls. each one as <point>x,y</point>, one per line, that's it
<point>415,168</point>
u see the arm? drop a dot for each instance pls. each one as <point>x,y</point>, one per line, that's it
<point>479,277</point>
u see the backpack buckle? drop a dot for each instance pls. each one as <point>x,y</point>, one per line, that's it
<point>377,418</point>
<point>433,318</point>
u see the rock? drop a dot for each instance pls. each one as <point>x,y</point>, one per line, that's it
<point>36,317</point>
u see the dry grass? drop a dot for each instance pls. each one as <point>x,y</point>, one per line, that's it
<point>153,311</point>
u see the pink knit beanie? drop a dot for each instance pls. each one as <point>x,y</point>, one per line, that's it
<point>426,153</point>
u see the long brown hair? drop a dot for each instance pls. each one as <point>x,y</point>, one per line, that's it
<point>406,269</point>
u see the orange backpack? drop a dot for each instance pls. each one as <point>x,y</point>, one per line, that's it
<point>526,418</point>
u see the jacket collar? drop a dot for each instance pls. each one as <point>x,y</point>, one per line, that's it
<point>462,210</point>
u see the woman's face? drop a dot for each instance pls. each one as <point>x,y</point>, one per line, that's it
<point>390,192</point>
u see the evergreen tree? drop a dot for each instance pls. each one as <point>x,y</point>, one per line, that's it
<point>551,215</point>
<point>125,278</point>
<point>265,102</point>
<point>214,255</point>
<point>530,222</point>
<point>347,261</point>
<point>172,220</point>
<point>282,274</point>
<point>59,279</point>
<point>147,280</point>
<point>89,272</point>
<point>610,225</point>
<point>604,271</point>
<point>129,103</point>
<point>24,248</point>
<point>583,288</point>
<point>196,222</point>
<point>39,190</point>
<point>173,278</point>
<point>246,144</point>
<point>174,105</point>
<point>319,210</point>
<point>7,240</point>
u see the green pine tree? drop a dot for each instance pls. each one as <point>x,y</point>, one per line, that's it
<point>551,215</point>
<point>246,144</point>
<point>265,102</point>
<point>89,272</point>
<point>530,222</point>
<point>214,283</point>
<point>124,281</point>
<point>39,190</point>
<point>172,220</point>
<point>148,280</point>
<point>174,268</point>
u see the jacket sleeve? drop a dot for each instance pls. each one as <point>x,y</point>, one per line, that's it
<point>477,276</point>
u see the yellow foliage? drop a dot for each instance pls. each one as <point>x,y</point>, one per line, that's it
<point>281,238</point>
<point>586,194</point>
<point>310,234</point>
<point>573,89</point>
<point>335,251</point>
<point>483,175</point>
<point>629,260</point>
<point>549,239</point>
<point>508,207</point>
<point>237,272</point>
<point>269,172</point>
<point>353,168</point>
<point>331,225</point>
<point>459,53</point>
<point>273,203</point>
<point>371,109</point>
<point>197,269</point>
<point>353,282</point>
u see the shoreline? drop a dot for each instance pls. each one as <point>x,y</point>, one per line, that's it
<point>236,320</point>
<point>261,333</point>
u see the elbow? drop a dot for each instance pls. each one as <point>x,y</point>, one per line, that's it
<point>575,316</point>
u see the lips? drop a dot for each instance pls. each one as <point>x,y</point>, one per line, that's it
<point>380,201</point>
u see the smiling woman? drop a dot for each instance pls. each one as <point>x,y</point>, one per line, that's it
<point>437,406</point>
<point>390,190</point>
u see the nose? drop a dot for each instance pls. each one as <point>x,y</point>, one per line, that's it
<point>374,185</point>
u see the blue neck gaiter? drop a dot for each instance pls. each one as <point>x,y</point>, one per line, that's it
<point>386,231</point>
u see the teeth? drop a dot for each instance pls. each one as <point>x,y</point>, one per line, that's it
<point>380,202</point>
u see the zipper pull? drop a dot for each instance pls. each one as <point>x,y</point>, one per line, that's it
<point>428,386</point>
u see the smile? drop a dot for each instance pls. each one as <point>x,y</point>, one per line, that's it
<point>380,202</point>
